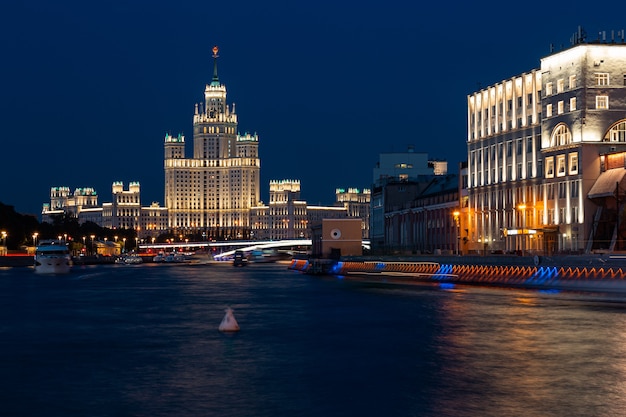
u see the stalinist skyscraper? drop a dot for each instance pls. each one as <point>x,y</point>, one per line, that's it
<point>212,192</point>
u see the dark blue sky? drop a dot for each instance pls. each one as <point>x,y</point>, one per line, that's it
<point>89,89</point>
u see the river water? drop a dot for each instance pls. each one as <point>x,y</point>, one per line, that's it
<point>142,340</point>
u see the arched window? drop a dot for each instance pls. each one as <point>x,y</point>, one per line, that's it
<point>561,135</point>
<point>617,132</point>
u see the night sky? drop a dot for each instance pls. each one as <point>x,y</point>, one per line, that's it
<point>89,89</point>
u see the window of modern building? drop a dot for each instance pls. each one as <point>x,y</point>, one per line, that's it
<point>548,110</point>
<point>572,104</point>
<point>560,84</point>
<point>550,167</point>
<point>602,78</point>
<point>509,148</point>
<point>560,165</point>
<point>573,163</point>
<point>572,82</point>
<point>519,170</point>
<point>529,169</point>
<point>548,89</point>
<point>529,144</point>
<point>520,147</point>
<point>560,107</point>
<point>602,102</point>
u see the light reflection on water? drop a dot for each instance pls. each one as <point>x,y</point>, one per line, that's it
<point>143,340</point>
<point>524,353</point>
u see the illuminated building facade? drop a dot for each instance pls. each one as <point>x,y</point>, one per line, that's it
<point>63,201</point>
<point>214,191</point>
<point>539,154</point>
<point>357,203</point>
<point>124,212</point>
<point>287,216</point>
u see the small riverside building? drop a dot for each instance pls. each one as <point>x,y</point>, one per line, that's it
<point>333,238</point>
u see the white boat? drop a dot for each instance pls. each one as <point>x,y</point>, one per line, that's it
<point>52,257</point>
<point>175,257</point>
<point>133,259</point>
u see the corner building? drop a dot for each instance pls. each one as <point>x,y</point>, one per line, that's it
<point>543,150</point>
<point>213,191</point>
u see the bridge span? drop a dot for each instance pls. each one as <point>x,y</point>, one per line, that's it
<point>227,248</point>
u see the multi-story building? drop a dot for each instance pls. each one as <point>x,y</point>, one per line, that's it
<point>63,201</point>
<point>287,216</point>
<point>125,209</point>
<point>357,203</point>
<point>124,212</point>
<point>214,191</point>
<point>398,176</point>
<point>420,215</point>
<point>539,153</point>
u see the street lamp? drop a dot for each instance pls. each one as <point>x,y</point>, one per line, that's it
<point>522,208</point>
<point>35,238</point>
<point>92,238</point>
<point>124,247</point>
<point>456,215</point>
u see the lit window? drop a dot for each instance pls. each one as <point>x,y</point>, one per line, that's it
<point>560,164</point>
<point>548,110</point>
<point>602,78</point>
<point>572,104</point>
<point>548,89</point>
<point>560,107</point>
<point>560,84</point>
<point>602,102</point>
<point>572,82</point>
<point>550,167</point>
<point>617,133</point>
<point>573,163</point>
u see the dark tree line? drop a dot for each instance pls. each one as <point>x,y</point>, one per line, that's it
<point>20,229</point>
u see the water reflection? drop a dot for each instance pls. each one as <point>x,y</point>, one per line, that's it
<point>524,353</point>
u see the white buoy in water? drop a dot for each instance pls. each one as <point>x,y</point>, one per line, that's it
<point>229,324</point>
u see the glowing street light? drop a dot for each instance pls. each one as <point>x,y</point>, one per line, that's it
<point>456,215</point>
<point>522,209</point>
<point>35,238</point>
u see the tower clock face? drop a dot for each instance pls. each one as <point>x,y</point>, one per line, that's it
<point>335,233</point>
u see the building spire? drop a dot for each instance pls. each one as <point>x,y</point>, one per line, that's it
<point>215,80</point>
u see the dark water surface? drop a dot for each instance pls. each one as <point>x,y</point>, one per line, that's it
<point>143,341</point>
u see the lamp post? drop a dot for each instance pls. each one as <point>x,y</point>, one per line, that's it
<point>35,239</point>
<point>92,242</point>
<point>522,208</point>
<point>456,215</point>
<point>124,247</point>
<point>4,238</point>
